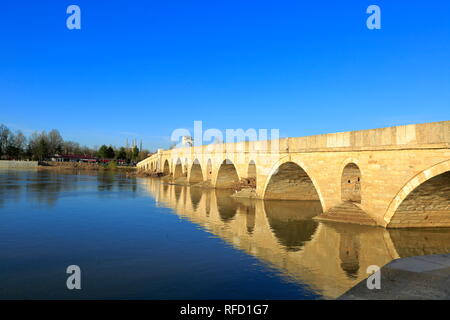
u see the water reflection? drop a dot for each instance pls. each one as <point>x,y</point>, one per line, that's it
<point>349,254</point>
<point>47,186</point>
<point>247,207</point>
<point>291,221</point>
<point>226,205</point>
<point>328,257</point>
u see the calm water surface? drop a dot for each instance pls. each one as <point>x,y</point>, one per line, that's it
<point>139,238</point>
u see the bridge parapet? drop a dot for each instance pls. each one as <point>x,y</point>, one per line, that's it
<point>425,135</point>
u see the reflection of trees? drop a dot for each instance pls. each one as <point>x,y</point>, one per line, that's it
<point>46,186</point>
<point>105,181</point>
<point>111,181</point>
<point>10,189</point>
<point>291,221</point>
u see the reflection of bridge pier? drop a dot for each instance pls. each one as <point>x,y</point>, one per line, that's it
<point>328,257</point>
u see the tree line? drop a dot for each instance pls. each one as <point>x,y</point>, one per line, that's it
<point>42,146</point>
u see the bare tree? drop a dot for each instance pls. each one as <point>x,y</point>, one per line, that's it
<point>55,142</point>
<point>4,137</point>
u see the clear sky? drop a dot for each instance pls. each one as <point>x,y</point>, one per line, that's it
<point>140,69</point>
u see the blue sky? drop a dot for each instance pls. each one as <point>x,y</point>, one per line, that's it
<point>140,69</point>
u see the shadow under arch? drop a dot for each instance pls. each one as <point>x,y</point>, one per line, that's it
<point>424,201</point>
<point>227,176</point>
<point>166,168</point>
<point>196,174</point>
<point>291,221</point>
<point>178,171</point>
<point>290,182</point>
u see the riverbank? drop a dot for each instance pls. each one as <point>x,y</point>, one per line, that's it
<point>420,277</point>
<point>51,165</point>
<point>14,164</point>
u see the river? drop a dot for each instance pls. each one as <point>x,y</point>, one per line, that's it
<point>137,238</point>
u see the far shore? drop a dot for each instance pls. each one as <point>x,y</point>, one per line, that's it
<point>53,165</point>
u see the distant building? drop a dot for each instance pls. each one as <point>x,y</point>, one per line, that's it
<point>187,141</point>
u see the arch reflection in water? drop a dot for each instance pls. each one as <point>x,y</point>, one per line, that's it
<point>328,257</point>
<point>291,221</point>
<point>226,205</point>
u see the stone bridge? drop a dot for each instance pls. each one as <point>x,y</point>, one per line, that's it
<point>394,177</point>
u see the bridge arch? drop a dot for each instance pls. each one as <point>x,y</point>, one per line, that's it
<point>196,174</point>
<point>178,171</point>
<point>227,175</point>
<point>351,183</point>
<point>290,180</point>
<point>430,192</point>
<point>166,168</point>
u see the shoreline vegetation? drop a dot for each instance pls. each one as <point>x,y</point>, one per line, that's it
<point>111,166</point>
<point>43,146</point>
